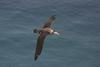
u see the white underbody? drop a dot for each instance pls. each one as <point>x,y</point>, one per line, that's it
<point>51,31</point>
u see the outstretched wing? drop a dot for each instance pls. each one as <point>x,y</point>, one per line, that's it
<point>49,21</point>
<point>39,46</point>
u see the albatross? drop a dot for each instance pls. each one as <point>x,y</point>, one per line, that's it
<point>45,31</point>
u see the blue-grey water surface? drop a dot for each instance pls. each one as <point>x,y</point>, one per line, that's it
<point>78,22</point>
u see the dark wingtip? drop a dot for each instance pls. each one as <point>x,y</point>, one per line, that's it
<point>35,58</point>
<point>53,17</point>
<point>35,30</point>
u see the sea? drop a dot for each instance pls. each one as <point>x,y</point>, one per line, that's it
<point>77,21</point>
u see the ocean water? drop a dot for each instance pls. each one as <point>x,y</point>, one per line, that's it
<point>78,22</point>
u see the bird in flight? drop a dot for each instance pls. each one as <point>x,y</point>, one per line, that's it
<point>45,31</point>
